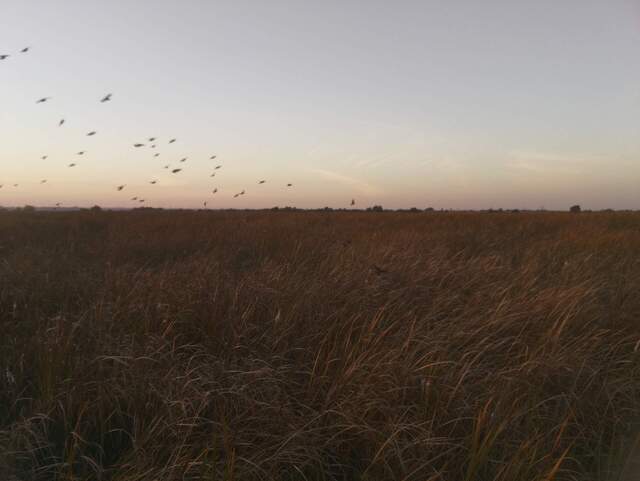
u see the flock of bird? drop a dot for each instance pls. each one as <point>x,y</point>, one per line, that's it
<point>152,143</point>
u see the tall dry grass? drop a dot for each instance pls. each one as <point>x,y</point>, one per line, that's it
<point>318,346</point>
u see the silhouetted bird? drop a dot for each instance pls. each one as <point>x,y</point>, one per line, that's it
<point>242,193</point>
<point>24,50</point>
<point>156,155</point>
<point>141,200</point>
<point>58,204</point>
<point>93,132</point>
<point>2,57</point>
<point>134,198</point>
<point>153,182</point>
<point>15,185</point>
<point>217,167</point>
<point>42,100</point>
<point>213,175</point>
<point>205,203</point>
<point>353,202</point>
<point>72,165</point>
<point>214,190</point>
<point>212,157</point>
<point>167,166</point>
<point>138,145</point>
<point>120,187</point>
<point>235,195</point>
<point>151,139</point>
<point>262,182</point>
<point>106,98</point>
<point>61,122</point>
<point>172,141</point>
<point>81,152</point>
<point>184,159</point>
<point>44,157</point>
<point>175,171</point>
<point>43,181</point>
<point>289,185</point>
<point>153,146</point>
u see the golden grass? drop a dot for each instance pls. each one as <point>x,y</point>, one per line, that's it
<point>318,346</point>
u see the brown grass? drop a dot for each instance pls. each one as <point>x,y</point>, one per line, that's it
<point>318,346</point>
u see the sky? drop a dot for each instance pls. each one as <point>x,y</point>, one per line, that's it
<point>457,104</point>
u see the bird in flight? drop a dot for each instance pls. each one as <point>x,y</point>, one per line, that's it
<point>262,182</point>
<point>2,57</point>
<point>235,195</point>
<point>72,165</point>
<point>217,167</point>
<point>353,202</point>
<point>289,185</point>
<point>58,204</point>
<point>205,203</point>
<point>93,132</point>
<point>61,122</point>
<point>156,155</point>
<point>42,100</point>
<point>172,141</point>
<point>213,175</point>
<point>24,50</point>
<point>153,182</point>
<point>15,185</point>
<point>212,157</point>
<point>242,193</point>
<point>120,187</point>
<point>214,190</point>
<point>106,98</point>
<point>184,159</point>
<point>44,157</point>
<point>151,139</point>
<point>153,146</point>
<point>134,198</point>
<point>81,152</point>
<point>138,145</point>
<point>43,181</point>
<point>175,171</point>
<point>167,166</point>
<point>140,200</point>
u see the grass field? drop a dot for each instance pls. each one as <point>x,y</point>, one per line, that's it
<point>158,345</point>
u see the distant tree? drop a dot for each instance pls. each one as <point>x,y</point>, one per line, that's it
<point>575,209</point>
<point>414,209</point>
<point>429,209</point>
<point>96,208</point>
<point>375,208</point>
<point>28,208</point>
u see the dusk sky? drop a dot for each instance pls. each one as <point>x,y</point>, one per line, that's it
<point>458,104</point>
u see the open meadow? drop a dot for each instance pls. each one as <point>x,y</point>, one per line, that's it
<point>264,345</point>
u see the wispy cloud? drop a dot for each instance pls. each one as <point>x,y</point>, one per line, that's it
<point>549,162</point>
<point>361,186</point>
<point>376,161</point>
